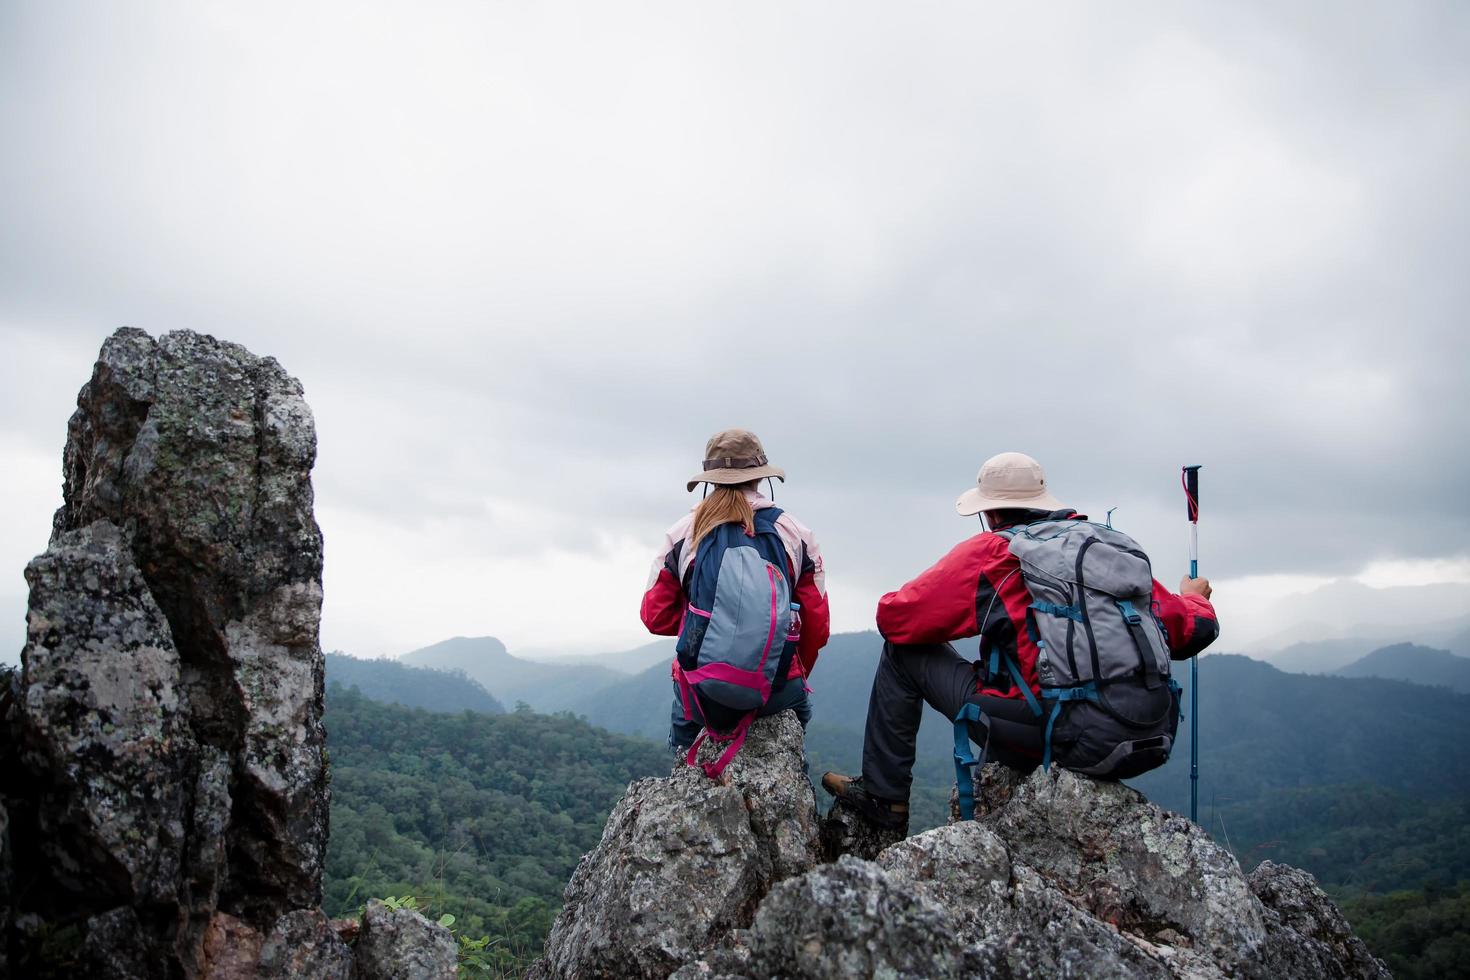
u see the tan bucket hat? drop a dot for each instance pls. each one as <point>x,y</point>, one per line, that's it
<point>735,456</point>
<point>1010,480</point>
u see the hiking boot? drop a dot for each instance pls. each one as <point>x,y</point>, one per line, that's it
<point>887,814</point>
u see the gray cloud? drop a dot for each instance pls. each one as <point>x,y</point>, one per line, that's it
<point>526,259</point>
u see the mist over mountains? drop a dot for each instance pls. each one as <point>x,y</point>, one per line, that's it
<point>546,686</point>
<point>1336,623</point>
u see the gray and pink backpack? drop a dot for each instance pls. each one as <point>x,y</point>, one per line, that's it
<point>737,639</point>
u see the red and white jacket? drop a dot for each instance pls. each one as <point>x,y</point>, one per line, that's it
<point>664,598</point>
<point>946,603</point>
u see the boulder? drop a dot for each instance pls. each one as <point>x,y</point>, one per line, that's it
<point>164,753</point>
<point>1025,926</point>
<point>102,725</point>
<point>1061,876</point>
<point>303,946</point>
<point>1306,933</point>
<point>202,453</point>
<point>116,947</point>
<point>1125,862</point>
<point>231,949</point>
<point>400,944</point>
<point>684,860</point>
<point>854,919</point>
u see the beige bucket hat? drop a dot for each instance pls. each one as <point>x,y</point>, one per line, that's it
<point>1010,480</point>
<point>735,456</point>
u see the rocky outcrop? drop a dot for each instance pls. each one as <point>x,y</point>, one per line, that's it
<point>684,861</point>
<point>1306,935</point>
<point>400,944</point>
<point>303,946</point>
<point>164,768</point>
<point>1060,876</point>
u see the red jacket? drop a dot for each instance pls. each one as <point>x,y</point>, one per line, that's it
<point>664,599</point>
<point>980,578</point>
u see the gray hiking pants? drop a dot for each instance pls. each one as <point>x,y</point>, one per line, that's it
<point>911,676</point>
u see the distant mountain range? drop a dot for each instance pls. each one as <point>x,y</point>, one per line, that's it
<point>1408,662</point>
<point>1358,657</point>
<point>633,661</point>
<point>1435,615</point>
<point>392,682</point>
<point>547,686</point>
<point>1262,729</point>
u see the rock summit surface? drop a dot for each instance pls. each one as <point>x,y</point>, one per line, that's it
<point>1061,876</point>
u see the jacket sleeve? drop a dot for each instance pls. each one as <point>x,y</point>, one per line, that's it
<point>939,605</point>
<point>662,610</point>
<point>663,605</point>
<point>816,617</point>
<point>1189,621</point>
<point>809,572</point>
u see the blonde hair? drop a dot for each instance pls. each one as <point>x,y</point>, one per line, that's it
<point>724,505</point>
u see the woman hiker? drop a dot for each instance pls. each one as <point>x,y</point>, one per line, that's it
<point>734,465</point>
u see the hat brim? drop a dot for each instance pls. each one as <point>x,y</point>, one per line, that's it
<point>973,502</point>
<point>729,477</point>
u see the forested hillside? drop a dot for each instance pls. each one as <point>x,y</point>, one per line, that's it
<point>1262,731</point>
<point>412,687</point>
<point>482,816</point>
<point>1361,781</point>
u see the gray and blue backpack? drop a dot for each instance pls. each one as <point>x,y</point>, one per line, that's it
<point>1109,704</point>
<point>737,639</point>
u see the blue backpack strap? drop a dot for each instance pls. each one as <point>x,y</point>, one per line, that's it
<point>964,760</point>
<point>1073,613</point>
<point>991,659</point>
<point>1085,692</point>
<point>773,548</point>
<point>1020,683</point>
<point>766,518</point>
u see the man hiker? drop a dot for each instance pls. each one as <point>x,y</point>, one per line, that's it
<point>1106,663</point>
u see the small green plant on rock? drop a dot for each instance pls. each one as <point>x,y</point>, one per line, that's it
<point>474,962</point>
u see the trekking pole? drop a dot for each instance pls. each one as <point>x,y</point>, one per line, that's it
<point>1191,500</point>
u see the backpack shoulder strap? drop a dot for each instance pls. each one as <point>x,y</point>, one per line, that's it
<point>766,518</point>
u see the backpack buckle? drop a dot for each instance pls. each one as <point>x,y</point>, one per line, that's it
<point>1130,615</point>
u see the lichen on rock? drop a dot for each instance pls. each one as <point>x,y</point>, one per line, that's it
<point>165,758</point>
<point>1060,876</point>
<point>400,944</point>
<point>684,860</point>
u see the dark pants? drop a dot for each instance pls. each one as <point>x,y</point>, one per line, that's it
<point>909,677</point>
<point>791,695</point>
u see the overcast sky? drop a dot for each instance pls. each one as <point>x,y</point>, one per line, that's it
<point>525,258</point>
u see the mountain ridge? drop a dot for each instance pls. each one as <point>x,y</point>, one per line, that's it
<point>394,682</point>
<point>1415,664</point>
<point>510,679</point>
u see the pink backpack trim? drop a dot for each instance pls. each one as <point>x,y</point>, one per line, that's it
<point>735,738</point>
<point>753,679</point>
